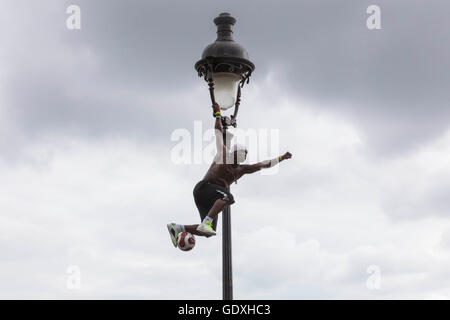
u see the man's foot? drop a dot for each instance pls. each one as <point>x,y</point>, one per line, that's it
<point>206,228</point>
<point>173,233</point>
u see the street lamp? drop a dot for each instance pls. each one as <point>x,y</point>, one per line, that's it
<point>226,68</point>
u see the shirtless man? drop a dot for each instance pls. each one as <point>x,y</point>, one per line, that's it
<point>211,194</point>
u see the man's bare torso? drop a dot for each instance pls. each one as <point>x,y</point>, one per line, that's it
<point>223,174</point>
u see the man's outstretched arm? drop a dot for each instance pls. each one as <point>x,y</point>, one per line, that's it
<point>251,168</point>
<point>220,146</point>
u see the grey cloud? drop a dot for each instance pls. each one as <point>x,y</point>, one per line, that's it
<point>129,73</point>
<point>392,83</point>
<point>404,204</point>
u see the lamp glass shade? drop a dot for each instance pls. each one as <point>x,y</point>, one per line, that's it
<point>225,88</point>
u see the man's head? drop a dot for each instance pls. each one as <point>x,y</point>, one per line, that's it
<point>239,153</point>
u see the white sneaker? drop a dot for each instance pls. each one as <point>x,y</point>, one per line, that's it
<point>173,233</point>
<point>206,227</point>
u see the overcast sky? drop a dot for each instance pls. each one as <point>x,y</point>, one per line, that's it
<point>88,178</point>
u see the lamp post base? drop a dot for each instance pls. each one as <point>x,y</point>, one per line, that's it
<point>227,270</point>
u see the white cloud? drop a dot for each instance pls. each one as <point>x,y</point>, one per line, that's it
<point>69,197</point>
<point>309,231</point>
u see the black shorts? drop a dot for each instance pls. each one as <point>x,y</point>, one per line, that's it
<point>206,193</point>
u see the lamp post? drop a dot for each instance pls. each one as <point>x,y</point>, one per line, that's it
<point>226,68</point>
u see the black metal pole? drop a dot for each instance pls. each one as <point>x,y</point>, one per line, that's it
<point>225,55</point>
<point>227,268</point>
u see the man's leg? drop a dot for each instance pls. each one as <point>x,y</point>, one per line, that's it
<point>207,224</point>
<point>174,229</point>
<point>216,208</point>
<point>193,229</point>
<point>212,213</point>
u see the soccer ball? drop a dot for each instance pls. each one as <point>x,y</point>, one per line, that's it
<point>186,241</point>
